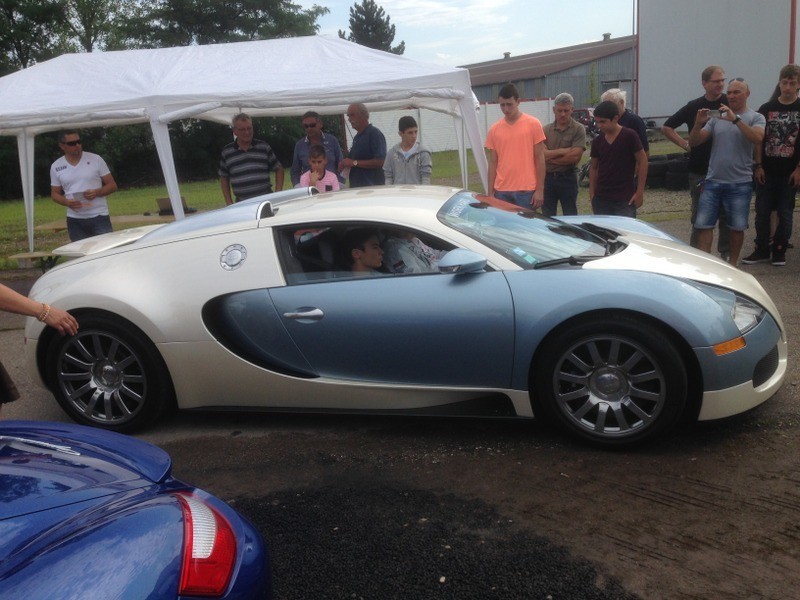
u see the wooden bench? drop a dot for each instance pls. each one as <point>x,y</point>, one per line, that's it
<point>44,260</point>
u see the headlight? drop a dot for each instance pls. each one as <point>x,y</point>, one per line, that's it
<point>746,314</point>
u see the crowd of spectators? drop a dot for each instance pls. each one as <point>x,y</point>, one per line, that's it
<point>731,148</point>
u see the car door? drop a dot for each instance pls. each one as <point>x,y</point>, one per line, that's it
<point>431,329</point>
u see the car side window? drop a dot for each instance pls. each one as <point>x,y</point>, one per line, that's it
<point>324,252</point>
<point>407,252</point>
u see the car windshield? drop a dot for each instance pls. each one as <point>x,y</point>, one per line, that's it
<point>527,238</point>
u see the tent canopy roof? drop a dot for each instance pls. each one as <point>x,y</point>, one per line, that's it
<point>214,82</point>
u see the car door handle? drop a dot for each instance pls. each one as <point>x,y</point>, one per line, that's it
<point>313,314</point>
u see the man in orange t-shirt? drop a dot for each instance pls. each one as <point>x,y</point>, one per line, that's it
<point>516,154</point>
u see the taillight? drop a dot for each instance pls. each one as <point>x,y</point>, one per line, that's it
<point>209,549</point>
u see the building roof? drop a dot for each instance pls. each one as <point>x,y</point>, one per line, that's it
<point>539,64</point>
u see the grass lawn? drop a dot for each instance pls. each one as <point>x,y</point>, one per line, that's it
<point>202,195</point>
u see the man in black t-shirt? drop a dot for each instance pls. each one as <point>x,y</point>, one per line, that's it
<point>777,172</point>
<point>713,80</point>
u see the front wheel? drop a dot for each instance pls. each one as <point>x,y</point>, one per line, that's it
<point>613,382</point>
<point>583,175</point>
<point>109,375</point>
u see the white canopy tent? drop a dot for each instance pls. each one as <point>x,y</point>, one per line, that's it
<point>281,77</point>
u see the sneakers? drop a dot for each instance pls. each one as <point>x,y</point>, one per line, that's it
<point>759,256</point>
<point>779,257</point>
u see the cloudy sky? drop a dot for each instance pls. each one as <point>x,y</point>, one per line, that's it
<point>457,32</point>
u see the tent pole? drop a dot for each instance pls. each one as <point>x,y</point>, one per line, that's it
<point>25,150</point>
<point>164,149</point>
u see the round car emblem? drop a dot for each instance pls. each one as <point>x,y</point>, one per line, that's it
<point>233,257</point>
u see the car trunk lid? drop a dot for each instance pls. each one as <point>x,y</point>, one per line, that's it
<point>47,465</point>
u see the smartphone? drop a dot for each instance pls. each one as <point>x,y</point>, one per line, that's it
<point>714,113</point>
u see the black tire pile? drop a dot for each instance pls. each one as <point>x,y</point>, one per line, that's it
<point>670,171</point>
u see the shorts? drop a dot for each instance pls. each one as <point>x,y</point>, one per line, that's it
<point>734,197</point>
<point>80,229</point>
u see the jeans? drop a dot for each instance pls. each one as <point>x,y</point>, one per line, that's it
<point>562,185</point>
<point>734,197</point>
<point>723,239</point>
<point>620,208</point>
<point>521,198</point>
<point>80,229</point>
<point>778,194</point>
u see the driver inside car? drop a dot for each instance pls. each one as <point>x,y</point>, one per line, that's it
<point>363,249</point>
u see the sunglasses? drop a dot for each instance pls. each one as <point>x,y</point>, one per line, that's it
<point>732,79</point>
<point>72,143</point>
<point>309,125</point>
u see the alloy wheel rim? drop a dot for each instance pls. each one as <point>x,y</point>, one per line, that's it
<point>102,378</point>
<point>609,386</point>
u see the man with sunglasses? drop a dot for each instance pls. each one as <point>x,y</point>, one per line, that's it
<point>81,181</point>
<point>729,183</point>
<point>312,123</point>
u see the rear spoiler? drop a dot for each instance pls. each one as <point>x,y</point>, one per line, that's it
<point>105,241</point>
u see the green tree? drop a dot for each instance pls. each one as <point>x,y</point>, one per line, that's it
<point>370,26</point>
<point>102,24</point>
<point>30,31</point>
<point>186,22</point>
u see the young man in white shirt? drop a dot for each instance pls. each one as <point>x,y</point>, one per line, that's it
<point>81,181</point>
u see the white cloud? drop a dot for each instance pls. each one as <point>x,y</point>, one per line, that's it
<point>447,13</point>
<point>458,32</point>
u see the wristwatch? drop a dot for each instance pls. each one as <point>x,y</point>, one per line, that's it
<point>736,120</point>
<point>355,163</point>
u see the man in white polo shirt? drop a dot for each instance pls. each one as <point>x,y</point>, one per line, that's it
<point>81,181</point>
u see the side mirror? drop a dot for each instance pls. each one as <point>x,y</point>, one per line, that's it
<point>462,261</point>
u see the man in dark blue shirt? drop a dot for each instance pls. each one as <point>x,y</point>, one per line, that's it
<point>367,152</point>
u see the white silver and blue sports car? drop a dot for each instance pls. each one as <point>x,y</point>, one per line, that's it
<point>604,325</point>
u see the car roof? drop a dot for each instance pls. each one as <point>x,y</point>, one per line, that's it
<point>377,202</point>
<point>300,206</point>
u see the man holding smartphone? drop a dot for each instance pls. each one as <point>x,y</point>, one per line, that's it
<point>729,182</point>
<point>713,81</point>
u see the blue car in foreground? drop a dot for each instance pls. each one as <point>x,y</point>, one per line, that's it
<point>86,513</point>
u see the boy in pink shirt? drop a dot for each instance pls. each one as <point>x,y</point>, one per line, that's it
<point>318,176</point>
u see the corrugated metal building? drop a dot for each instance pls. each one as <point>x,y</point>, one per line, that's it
<point>585,71</point>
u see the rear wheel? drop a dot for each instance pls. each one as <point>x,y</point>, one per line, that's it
<point>614,381</point>
<point>109,375</point>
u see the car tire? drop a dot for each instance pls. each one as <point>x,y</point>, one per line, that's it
<point>676,181</point>
<point>654,181</point>
<point>613,381</point>
<point>109,375</point>
<point>657,168</point>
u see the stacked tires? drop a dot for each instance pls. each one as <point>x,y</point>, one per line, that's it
<point>670,171</point>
